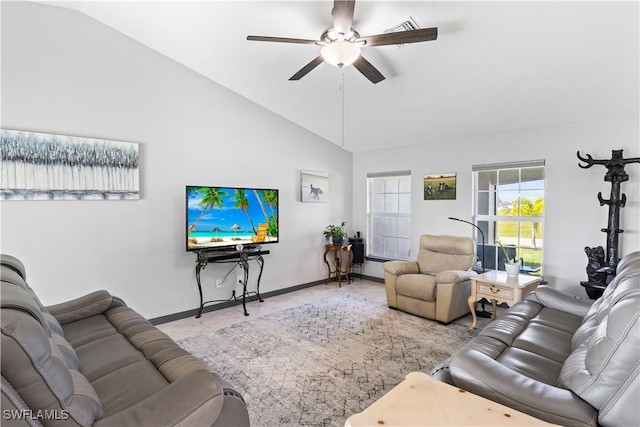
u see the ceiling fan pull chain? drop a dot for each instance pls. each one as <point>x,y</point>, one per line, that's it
<point>342,88</point>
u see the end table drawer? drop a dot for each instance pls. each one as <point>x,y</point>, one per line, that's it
<point>495,291</point>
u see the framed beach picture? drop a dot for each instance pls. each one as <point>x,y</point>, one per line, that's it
<point>440,186</point>
<point>42,166</point>
<point>314,186</point>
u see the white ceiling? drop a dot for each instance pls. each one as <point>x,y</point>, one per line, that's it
<point>496,66</point>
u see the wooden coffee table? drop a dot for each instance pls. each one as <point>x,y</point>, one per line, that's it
<point>497,287</point>
<point>420,400</point>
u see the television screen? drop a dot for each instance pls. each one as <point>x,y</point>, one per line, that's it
<point>223,217</point>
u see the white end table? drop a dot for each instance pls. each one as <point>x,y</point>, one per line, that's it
<point>420,400</point>
<point>497,287</point>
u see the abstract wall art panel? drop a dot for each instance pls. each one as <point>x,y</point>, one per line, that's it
<point>40,166</point>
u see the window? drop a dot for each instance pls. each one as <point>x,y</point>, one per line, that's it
<point>389,215</point>
<point>509,208</point>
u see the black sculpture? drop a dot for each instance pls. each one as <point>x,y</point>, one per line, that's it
<point>595,273</point>
<point>601,268</point>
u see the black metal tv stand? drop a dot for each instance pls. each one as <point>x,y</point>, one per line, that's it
<point>242,257</point>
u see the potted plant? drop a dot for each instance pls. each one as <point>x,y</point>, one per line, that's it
<point>512,265</point>
<point>335,233</point>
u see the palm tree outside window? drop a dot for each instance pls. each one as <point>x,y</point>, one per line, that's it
<point>509,207</point>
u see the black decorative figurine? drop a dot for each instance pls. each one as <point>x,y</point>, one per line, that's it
<point>602,267</point>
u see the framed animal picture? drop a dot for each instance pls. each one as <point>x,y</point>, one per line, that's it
<point>314,186</point>
<point>440,186</point>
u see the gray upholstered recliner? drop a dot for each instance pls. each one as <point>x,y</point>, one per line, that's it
<point>437,285</point>
<point>560,358</point>
<point>95,362</point>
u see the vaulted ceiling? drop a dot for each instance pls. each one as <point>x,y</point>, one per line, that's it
<point>495,67</point>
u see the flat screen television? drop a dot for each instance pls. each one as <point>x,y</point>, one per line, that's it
<point>223,217</point>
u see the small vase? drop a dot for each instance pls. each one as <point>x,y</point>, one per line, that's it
<point>512,269</point>
<point>337,240</point>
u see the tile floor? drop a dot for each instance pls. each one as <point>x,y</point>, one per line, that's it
<point>218,319</point>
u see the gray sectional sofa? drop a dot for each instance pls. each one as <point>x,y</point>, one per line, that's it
<point>95,362</point>
<point>560,358</point>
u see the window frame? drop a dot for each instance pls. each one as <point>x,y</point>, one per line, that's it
<point>372,236</point>
<point>493,218</point>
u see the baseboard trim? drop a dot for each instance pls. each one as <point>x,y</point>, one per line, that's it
<point>193,312</point>
<point>220,306</point>
<point>373,279</point>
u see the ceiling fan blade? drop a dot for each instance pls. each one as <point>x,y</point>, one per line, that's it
<point>305,70</point>
<point>343,15</point>
<point>368,70</point>
<point>401,37</point>
<point>281,40</point>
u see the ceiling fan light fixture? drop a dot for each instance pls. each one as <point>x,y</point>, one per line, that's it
<point>340,53</point>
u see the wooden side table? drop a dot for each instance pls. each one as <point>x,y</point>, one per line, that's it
<point>420,400</point>
<point>497,287</point>
<point>342,259</point>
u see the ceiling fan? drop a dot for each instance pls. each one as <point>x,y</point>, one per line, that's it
<point>342,43</point>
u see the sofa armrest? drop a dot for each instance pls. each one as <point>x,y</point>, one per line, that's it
<point>89,305</point>
<point>195,399</point>
<point>401,267</point>
<point>563,301</point>
<point>482,375</point>
<point>454,276</point>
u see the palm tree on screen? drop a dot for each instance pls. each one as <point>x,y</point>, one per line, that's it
<point>211,198</point>
<point>240,197</point>
<point>271,199</point>
<point>259,195</point>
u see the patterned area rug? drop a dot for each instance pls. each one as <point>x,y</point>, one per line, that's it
<point>320,363</point>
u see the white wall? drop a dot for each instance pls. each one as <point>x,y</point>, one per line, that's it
<point>65,73</point>
<point>573,216</point>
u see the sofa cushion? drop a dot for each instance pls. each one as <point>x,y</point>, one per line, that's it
<point>14,277</point>
<point>142,379</point>
<point>607,363</point>
<point>35,367</point>
<point>66,350</point>
<point>546,341</point>
<point>628,265</point>
<point>531,364</point>
<point>11,275</point>
<point>17,298</point>
<point>13,263</point>
<point>106,355</point>
<point>419,286</point>
<point>121,347</point>
<point>506,328</point>
<point>445,253</point>
<point>557,319</point>
<point>88,330</point>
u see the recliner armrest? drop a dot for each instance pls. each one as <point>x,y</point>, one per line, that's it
<point>89,305</point>
<point>563,301</point>
<point>401,267</point>
<point>454,276</point>
<point>480,374</point>
<point>195,399</point>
